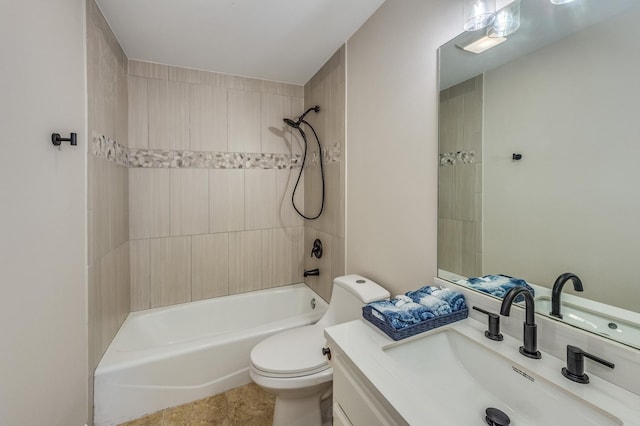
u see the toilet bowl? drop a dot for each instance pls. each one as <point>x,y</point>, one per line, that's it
<point>291,365</point>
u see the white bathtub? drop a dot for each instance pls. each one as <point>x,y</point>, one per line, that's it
<point>170,356</point>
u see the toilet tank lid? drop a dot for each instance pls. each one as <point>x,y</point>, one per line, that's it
<point>361,287</point>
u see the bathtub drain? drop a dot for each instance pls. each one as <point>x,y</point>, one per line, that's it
<point>313,303</point>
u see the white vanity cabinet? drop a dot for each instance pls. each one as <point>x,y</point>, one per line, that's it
<point>355,401</point>
<point>452,374</point>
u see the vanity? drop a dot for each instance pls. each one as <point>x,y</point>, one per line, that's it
<point>452,374</point>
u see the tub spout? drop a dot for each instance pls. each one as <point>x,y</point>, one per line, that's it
<point>311,272</point>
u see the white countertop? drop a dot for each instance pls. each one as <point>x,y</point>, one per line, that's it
<point>364,345</point>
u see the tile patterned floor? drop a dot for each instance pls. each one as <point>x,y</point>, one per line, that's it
<point>247,405</point>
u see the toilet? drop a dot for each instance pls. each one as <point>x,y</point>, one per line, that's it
<point>291,365</point>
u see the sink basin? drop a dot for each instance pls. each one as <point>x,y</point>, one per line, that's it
<point>595,322</point>
<point>464,378</point>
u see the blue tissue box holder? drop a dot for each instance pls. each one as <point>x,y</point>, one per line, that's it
<point>412,330</point>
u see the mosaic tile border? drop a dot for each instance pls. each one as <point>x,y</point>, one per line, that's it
<point>108,149</point>
<point>330,154</point>
<point>211,160</point>
<point>453,158</point>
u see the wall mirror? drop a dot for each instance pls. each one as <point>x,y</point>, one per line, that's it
<point>539,140</point>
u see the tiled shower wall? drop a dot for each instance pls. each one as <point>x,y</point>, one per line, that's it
<point>212,170</point>
<point>108,190</point>
<point>460,178</point>
<point>327,90</point>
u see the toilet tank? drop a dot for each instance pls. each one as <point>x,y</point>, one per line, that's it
<point>350,293</point>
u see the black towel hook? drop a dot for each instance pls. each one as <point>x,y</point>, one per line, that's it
<point>57,140</point>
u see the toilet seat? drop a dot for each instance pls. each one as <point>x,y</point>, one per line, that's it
<point>292,353</point>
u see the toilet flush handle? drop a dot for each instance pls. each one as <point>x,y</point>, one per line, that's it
<point>327,352</point>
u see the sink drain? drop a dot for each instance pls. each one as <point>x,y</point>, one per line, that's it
<point>496,417</point>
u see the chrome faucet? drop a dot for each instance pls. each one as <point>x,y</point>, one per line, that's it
<point>557,290</point>
<point>530,334</point>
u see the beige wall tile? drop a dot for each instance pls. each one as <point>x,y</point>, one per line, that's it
<point>337,258</point>
<point>138,113</point>
<point>91,238</point>
<point>325,263</point>
<point>118,204</point>
<point>285,182</point>
<point>469,249</point>
<point>122,105</point>
<point>148,69</point>
<point>189,190</point>
<point>473,116</point>
<point>102,202</point>
<point>313,195</point>
<point>244,124</point>
<point>170,270</point>
<point>93,65</point>
<point>107,187</point>
<point>282,256</point>
<point>242,83</point>
<point>140,267</point>
<point>149,203</point>
<point>245,261</point>
<point>446,186</point>
<point>450,245</point>
<point>284,89</point>
<point>342,198</point>
<point>193,76</point>
<point>208,118</point>
<point>260,199</point>
<point>333,212</point>
<point>108,89</point>
<point>94,317</point>
<point>108,300</point>
<point>464,207</point>
<point>98,103</point>
<point>275,134</point>
<point>210,266</point>
<point>295,141</point>
<point>226,200</point>
<point>123,282</point>
<point>451,125</point>
<point>309,262</point>
<point>168,114</point>
<point>327,90</point>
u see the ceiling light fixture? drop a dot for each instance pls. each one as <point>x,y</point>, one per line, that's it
<point>482,45</point>
<point>507,20</point>
<point>561,1</point>
<point>478,14</point>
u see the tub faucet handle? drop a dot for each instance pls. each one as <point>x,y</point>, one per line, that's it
<point>316,250</point>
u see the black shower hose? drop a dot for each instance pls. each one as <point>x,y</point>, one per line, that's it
<point>304,159</point>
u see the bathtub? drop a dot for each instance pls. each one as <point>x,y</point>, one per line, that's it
<point>173,355</point>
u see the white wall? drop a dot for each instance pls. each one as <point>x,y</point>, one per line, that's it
<point>571,203</point>
<point>43,330</point>
<point>392,146</point>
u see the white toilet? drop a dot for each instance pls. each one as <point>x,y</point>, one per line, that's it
<point>291,365</point>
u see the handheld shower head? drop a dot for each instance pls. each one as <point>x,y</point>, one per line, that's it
<point>291,123</point>
<point>296,124</point>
